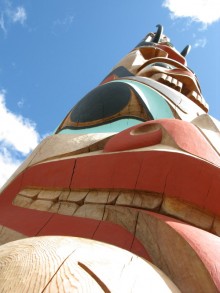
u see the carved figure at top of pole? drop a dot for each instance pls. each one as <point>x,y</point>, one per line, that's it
<point>151,82</point>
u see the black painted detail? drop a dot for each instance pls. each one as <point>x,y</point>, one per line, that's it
<point>102,102</point>
<point>101,123</point>
<point>185,51</point>
<point>144,43</point>
<point>158,34</point>
<point>120,71</point>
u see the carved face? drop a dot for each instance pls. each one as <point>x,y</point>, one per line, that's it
<point>175,75</point>
<point>152,188</point>
<point>162,63</point>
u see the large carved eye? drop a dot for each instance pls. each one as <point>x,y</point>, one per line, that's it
<point>102,102</point>
<point>115,106</point>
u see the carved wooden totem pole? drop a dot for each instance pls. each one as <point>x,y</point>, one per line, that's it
<point>124,197</point>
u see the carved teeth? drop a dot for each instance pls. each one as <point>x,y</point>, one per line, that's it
<point>179,86</point>
<point>168,80</point>
<point>175,82</point>
<point>198,99</point>
<point>159,77</point>
<point>194,96</point>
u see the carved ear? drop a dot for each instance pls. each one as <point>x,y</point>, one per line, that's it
<point>158,34</point>
<point>185,51</point>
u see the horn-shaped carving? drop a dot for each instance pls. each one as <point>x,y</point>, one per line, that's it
<point>158,33</point>
<point>186,50</point>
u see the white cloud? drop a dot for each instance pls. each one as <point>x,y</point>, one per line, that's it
<point>18,136</point>
<point>203,11</point>
<point>2,23</point>
<point>19,15</point>
<point>8,164</point>
<point>11,15</point>
<point>200,43</point>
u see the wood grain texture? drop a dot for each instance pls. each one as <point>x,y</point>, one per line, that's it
<point>147,200</point>
<point>210,129</point>
<point>7,235</point>
<point>216,226</point>
<point>41,205</point>
<point>49,194</point>
<point>67,264</point>
<point>97,197</point>
<point>26,266</point>
<point>67,208</point>
<point>91,211</point>
<point>30,192</point>
<point>23,201</point>
<point>187,213</point>
<point>173,254</point>
<point>124,216</point>
<point>77,196</point>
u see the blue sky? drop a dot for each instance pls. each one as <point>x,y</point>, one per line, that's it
<point>53,52</point>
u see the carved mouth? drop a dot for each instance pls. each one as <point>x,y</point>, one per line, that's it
<point>176,76</point>
<point>181,87</point>
<point>111,204</point>
<point>168,80</point>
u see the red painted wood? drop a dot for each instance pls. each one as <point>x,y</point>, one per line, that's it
<point>174,174</point>
<point>56,174</point>
<point>189,138</point>
<point>109,78</point>
<point>172,54</point>
<point>179,130</point>
<point>8,194</point>
<point>211,202</point>
<point>154,170</point>
<point>70,226</point>
<point>114,234</point>
<point>190,179</point>
<point>107,171</point>
<point>26,221</point>
<point>138,249</point>
<point>135,137</point>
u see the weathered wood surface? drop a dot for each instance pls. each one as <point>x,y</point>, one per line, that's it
<point>95,204</point>
<point>7,235</point>
<point>67,264</point>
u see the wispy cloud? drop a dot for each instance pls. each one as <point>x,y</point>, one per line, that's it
<point>11,14</point>
<point>19,15</point>
<point>2,23</point>
<point>200,43</point>
<point>68,20</point>
<point>203,11</point>
<point>18,136</point>
<point>62,25</point>
<point>20,103</point>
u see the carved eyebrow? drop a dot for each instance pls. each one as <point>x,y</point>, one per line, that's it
<point>162,64</point>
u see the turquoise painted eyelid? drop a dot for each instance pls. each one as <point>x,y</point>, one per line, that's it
<point>153,100</point>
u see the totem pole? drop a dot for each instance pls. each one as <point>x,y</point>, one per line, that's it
<point>124,197</point>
